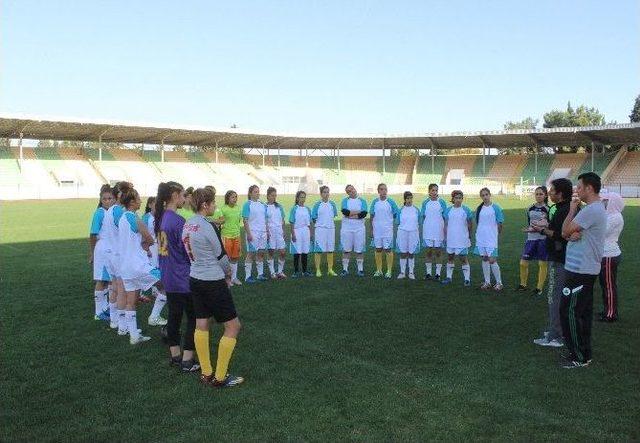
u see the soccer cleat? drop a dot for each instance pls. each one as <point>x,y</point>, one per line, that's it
<point>446,281</point>
<point>282,275</point>
<point>175,361</point>
<point>377,274</point>
<point>113,325</point>
<point>536,292</point>
<point>574,364</point>
<point>331,273</point>
<point>542,341</point>
<point>428,277</point>
<point>484,286</point>
<point>318,273</point>
<point>157,321</point>
<point>306,274</point>
<point>250,280</point>
<point>228,382</point>
<point>140,339</point>
<point>104,316</point>
<point>122,331</point>
<point>467,282</point>
<point>360,273</point>
<point>553,343</point>
<point>401,276</point>
<point>412,276</point>
<point>388,275</point>
<point>296,275</point>
<point>189,365</point>
<point>498,287</point>
<point>261,277</point>
<point>437,277</point>
<point>344,273</point>
<point>521,288</point>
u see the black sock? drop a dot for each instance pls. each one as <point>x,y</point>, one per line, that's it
<point>304,262</point>
<point>296,262</point>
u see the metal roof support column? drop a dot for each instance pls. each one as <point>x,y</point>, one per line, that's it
<point>433,158</point>
<point>100,148</point>
<point>278,157</point>
<point>535,177</point>
<point>593,150</point>
<point>216,151</point>
<point>338,157</point>
<point>162,150</point>
<point>384,162</point>
<point>262,150</point>
<point>484,164</point>
<point>20,146</point>
<point>306,157</point>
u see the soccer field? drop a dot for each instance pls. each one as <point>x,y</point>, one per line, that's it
<point>324,359</point>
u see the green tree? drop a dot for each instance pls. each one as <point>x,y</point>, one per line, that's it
<point>581,116</point>
<point>634,117</point>
<point>527,123</point>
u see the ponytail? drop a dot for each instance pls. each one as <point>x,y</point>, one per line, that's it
<point>129,194</point>
<point>150,202</point>
<point>165,191</point>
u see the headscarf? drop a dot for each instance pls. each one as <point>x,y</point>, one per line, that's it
<point>615,203</point>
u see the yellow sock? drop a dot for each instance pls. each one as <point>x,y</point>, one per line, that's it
<point>225,349</point>
<point>389,261</point>
<point>542,274</point>
<point>317,258</point>
<point>201,339</point>
<point>378,261</point>
<point>330,261</point>
<point>524,272</point>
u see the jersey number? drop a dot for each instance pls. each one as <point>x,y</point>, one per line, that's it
<point>163,244</point>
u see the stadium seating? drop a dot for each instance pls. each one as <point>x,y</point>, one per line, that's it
<point>627,173</point>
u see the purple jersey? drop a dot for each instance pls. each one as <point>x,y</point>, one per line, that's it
<point>174,261</point>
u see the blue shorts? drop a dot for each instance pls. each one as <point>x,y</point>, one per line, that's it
<point>535,250</point>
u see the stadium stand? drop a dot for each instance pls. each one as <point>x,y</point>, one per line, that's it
<point>627,172</point>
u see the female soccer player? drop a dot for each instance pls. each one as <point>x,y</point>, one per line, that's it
<point>323,213</point>
<point>160,299</point>
<point>352,230</point>
<point>228,216</point>
<point>432,212</point>
<point>254,215</point>
<point>535,247</point>
<point>136,271</point>
<point>275,226</point>
<point>384,211</point>
<point>300,219</point>
<point>174,271</point>
<point>611,259</point>
<point>408,235</point>
<point>98,247</point>
<point>209,277</point>
<point>458,224</point>
<point>185,211</point>
<point>489,220</point>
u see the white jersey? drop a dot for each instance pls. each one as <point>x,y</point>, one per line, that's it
<point>353,204</point>
<point>323,214</point>
<point>275,217</point>
<point>457,227</point>
<point>149,220</point>
<point>109,231</point>
<point>256,213</point>
<point>488,219</point>
<point>432,212</point>
<point>408,218</point>
<point>300,217</point>
<point>134,260</point>
<point>383,214</point>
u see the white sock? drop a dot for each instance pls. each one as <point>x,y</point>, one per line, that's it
<point>234,271</point>
<point>450,268</point>
<point>345,264</point>
<point>113,312</point>
<point>281,265</point>
<point>428,267</point>
<point>466,271</point>
<point>403,265</point>
<point>105,300</point>
<point>247,269</point>
<point>161,300</point>
<point>122,321</point>
<point>438,268</point>
<point>132,324</point>
<point>412,265</point>
<point>98,298</point>
<point>486,271</point>
<point>260,268</point>
<point>360,263</point>
<point>154,291</point>
<point>272,270</point>
<point>496,273</point>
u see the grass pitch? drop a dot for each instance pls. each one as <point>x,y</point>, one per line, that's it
<point>324,359</point>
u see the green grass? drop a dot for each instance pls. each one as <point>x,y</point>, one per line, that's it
<point>324,361</point>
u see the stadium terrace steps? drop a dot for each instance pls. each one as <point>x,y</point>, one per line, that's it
<point>507,168</point>
<point>627,173</point>
<point>463,162</point>
<point>600,163</point>
<point>572,162</point>
<point>425,174</point>
<point>529,173</point>
<point>10,172</point>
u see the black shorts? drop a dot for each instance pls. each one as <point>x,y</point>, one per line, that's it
<point>212,298</point>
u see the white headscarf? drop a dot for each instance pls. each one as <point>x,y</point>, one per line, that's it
<point>615,203</point>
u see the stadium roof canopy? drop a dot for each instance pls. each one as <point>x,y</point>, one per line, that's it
<point>109,132</point>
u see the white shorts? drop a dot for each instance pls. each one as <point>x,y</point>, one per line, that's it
<point>484,251</point>
<point>101,265</point>
<point>153,260</point>
<point>383,242</point>
<point>325,240</point>
<point>429,243</point>
<point>259,242</point>
<point>353,241</point>
<point>408,242</point>
<point>302,245</point>
<point>458,251</point>
<point>143,281</point>
<point>113,265</point>
<point>276,240</point>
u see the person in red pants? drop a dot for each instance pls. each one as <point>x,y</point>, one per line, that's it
<point>612,254</point>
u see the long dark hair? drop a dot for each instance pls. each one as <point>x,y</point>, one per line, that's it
<point>150,202</point>
<point>479,208</point>
<point>251,188</point>
<point>119,188</point>
<point>128,195</point>
<point>165,191</point>
<point>104,189</point>
<point>406,195</point>
<point>546,193</point>
<point>271,190</point>
<point>298,194</point>
<point>227,196</point>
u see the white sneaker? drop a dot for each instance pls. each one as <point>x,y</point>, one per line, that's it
<point>157,321</point>
<point>236,282</point>
<point>412,277</point>
<point>554,343</point>
<point>122,331</point>
<point>113,325</point>
<point>401,276</point>
<point>140,339</point>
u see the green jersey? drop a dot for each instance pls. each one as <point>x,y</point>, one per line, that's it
<point>232,220</point>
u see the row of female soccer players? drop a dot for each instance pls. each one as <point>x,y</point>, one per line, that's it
<point>444,228</point>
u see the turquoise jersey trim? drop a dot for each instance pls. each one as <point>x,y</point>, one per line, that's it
<point>246,209</point>
<point>117,213</point>
<point>96,221</point>
<point>133,221</point>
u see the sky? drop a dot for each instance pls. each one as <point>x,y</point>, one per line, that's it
<point>318,67</point>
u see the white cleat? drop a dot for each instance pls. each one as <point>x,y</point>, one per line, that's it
<point>412,277</point>
<point>140,339</point>
<point>401,276</point>
<point>236,282</point>
<point>113,325</point>
<point>157,321</point>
